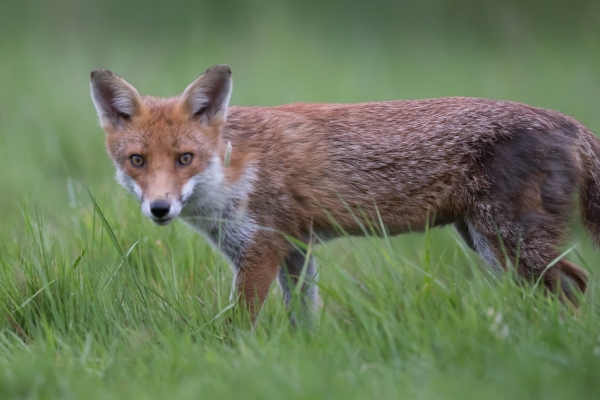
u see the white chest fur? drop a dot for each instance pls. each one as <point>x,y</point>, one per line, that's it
<point>218,210</point>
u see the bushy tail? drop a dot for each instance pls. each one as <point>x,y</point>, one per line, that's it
<point>589,192</point>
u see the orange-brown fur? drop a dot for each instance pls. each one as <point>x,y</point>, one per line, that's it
<point>503,173</point>
<point>163,118</point>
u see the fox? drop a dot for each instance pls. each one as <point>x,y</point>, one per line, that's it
<point>251,179</point>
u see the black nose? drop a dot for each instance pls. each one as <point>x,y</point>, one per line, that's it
<point>159,208</point>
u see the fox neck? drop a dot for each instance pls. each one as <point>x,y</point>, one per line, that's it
<point>216,202</point>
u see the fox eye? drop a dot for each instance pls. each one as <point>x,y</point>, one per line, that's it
<point>136,160</point>
<point>185,159</point>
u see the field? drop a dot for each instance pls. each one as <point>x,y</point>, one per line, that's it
<point>98,303</point>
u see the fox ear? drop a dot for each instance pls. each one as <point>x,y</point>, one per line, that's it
<point>207,98</point>
<point>116,100</point>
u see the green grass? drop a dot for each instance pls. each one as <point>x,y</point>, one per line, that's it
<point>414,316</point>
<point>98,303</point>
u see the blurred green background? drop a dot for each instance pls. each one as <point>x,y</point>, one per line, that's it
<point>416,316</point>
<point>545,53</point>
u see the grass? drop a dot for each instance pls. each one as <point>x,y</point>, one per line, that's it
<point>98,303</point>
<point>143,317</point>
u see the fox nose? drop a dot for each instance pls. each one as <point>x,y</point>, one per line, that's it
<point>159,208</point>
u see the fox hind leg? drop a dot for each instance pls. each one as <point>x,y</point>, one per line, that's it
<point>479,244</point>
<point>531,243</point>
<point>522,211</point>
<point>463,230</point>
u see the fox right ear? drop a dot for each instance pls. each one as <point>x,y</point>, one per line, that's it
<point>207,98</point>
<point>116,100</point>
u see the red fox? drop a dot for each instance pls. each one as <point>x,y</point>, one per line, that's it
<point>249,178</point>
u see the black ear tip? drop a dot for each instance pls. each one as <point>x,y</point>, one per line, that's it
<point>226,69</point>
<point>99,72</point>
<point>220,69</point>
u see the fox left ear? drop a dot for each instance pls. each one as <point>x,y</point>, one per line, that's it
<point>207,98</point>
<point>116,101</point>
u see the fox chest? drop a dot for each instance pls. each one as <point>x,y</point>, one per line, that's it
<point>226,229</point>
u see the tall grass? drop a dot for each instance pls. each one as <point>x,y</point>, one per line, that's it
<point>141,314</point>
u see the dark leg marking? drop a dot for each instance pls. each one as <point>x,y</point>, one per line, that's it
<point>289,275</point>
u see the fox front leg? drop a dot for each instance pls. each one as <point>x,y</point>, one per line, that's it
<point>254,273</point>
<point>299,269</point>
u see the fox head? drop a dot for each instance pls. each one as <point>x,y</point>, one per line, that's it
<point>165,150</point>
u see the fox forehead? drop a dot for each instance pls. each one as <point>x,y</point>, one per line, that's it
<point>161,126</point>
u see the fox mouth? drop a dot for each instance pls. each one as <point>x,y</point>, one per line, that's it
<point>162,221</point>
